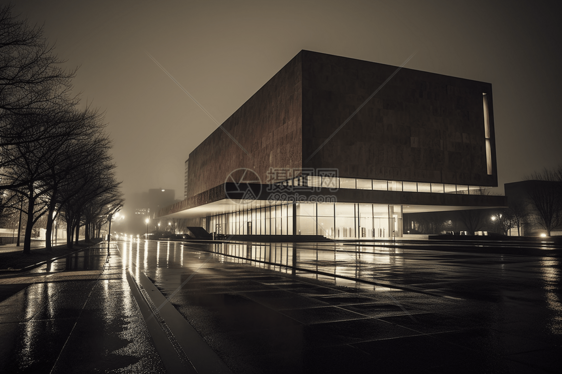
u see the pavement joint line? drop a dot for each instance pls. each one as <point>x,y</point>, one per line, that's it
<point>331,275</point>
<point>353,279</point>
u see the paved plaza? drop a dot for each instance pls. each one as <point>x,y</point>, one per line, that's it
<point>399,307</point>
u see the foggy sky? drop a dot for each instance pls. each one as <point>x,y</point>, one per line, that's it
<point>222,52</point>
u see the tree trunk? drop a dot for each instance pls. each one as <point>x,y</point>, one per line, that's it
<point>49,228</point>
<point>77,231</point>
<point>87,232</point>
<point>29,228</point>
<point>69,232</point>
<point>19,225</point>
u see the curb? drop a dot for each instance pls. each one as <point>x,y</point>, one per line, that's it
<point>181,347</point>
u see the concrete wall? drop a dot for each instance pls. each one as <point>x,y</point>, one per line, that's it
<point>267,126</point>
<point>418,127</point>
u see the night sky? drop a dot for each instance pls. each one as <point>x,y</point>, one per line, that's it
<point>133,56</point>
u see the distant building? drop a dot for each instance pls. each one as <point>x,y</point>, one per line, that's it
<point>159,198</point>
<point>141,211</point>
<point>344,148</point>
<point>186,168</point>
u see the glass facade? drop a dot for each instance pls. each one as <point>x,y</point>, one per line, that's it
<point>332,220</point>
<point>335,183</point>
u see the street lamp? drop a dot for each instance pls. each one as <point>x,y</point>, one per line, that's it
<point>147,220</point>
<point>158,226</point>
<point>115,211</point>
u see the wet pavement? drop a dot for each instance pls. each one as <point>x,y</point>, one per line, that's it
<point>323,308</point>
<point>284,307</point>
<point>75,315</point>
<point>13,247</point>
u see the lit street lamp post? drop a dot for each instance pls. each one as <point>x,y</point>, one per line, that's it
<point>116,212</point>
<point>147,220</point>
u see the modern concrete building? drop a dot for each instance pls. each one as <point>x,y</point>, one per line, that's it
<point>343,148</point>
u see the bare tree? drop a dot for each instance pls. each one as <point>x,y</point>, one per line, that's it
<point>90,184</point>
<point>51,155</point>
<point>504,221</point>
<point>31,76</point>
<point>36,170</point>
<point>544,190</point>
<point>84,143</point>
<point>519,215</point>
<point>475,219</point>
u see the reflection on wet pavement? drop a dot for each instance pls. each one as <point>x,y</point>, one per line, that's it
<point>287,307</point>
<point>75,325</point>
<point>88,259</point>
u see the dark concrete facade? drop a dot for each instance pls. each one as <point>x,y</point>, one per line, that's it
<point>418,127</point>
<point>268,127</point>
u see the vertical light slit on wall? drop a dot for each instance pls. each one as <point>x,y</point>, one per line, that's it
<point>487,134</point>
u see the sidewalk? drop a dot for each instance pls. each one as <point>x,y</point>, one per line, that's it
<point>14,248</point>
<point>82,320</point>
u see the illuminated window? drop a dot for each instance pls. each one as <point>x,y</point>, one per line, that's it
<point>410,187</point>
<point>347,183</point>
<point>450,188</point>
<point>436,187</point>
<point>314,181</point>
<point>487,134</point>
<point>380,185</point>
<point>424,187</point>
<point>462,189</point>
<point>364,184</point>
<point>330,182</point>
<point>394,186</point>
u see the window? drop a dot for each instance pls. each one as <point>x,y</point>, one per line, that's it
<point>437,188</point>
<point>487,134</point>
<point>450,188</point>
<point>347,183</point>
<point>424,187</point>
<point>364,184</point>
<point>410,187</point>
<point>380,185</point>
<point>394,186</point>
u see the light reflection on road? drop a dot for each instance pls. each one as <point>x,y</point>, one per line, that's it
<point>382,267</point>
<point>551,276</point>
